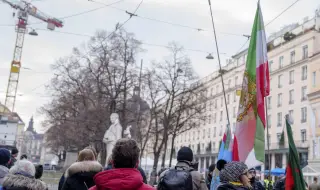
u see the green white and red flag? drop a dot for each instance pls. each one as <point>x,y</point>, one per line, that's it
<point>248,144</point>
<point>294,175</point>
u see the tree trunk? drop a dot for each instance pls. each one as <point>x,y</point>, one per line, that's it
<point>171,152</point>
<point>164,151</point>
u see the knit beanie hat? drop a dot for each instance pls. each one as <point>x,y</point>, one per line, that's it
<point>4,156</point>
<point>23,167</point>
<point>14,151</point>
<point>185,154</point>
<point>232,171</point>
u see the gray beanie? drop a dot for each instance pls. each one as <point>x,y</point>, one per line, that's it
<point>232,171</point>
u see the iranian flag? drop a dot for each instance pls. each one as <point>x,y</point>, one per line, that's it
<point>248,144</point>
<point>294,175</point>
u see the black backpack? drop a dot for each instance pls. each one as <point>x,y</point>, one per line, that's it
<point>176,179</point>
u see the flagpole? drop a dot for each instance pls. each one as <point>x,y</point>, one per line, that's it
<point>218,55</point>
<point>268,143</point>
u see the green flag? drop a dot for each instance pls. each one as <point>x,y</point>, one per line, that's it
<point>294,175</point>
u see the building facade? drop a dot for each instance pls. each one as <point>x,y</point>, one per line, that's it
<point>33,144</point>
<point>293,58</point>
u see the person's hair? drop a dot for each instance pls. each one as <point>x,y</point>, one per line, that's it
<point>315,179</point>
<point>93,150</point>
<point>86,155</point>
<point>125,154</point>
<point>211,167</point>
<point>23,157</point>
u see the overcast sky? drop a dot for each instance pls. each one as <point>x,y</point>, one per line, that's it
<point>231,16</point>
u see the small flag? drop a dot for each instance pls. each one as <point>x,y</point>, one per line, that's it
<point>294,175</point>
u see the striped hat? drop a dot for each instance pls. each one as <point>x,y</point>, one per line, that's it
<point>232,171</point>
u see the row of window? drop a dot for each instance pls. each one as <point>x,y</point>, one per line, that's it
<point>292,58</point>
<point>291,97</point>
<point>210,93</point>
<point>304,76</point>
<point>280,117</point>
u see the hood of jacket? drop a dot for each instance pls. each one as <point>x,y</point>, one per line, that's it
<point>19,181</point>
<point>115,179</point>
<point>82,168</point>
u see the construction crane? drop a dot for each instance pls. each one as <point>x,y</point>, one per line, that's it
<point>24,10</point>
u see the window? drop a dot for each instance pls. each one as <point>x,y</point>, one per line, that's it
<point>269,121</point>
<point>303,93</point>
<point>215,103</point>
<point>292,57</point>
<point>214,146</point>
<point>314,79</point>
<point>304,73</point>
<point>198,134</point>
<point>270,65</point>
<point>303,115</point>
<point>220,133</point>
<point>280,77</point>
<point>305,52</point>
<point>209,119</point>
<point>280,100</point>
<point>215,117</point>
<point>209,132</point>
<point>280,62</point>
<point>278,137</point>
<point>217,91</point>
<point>210,106</point>
<point>269,102</point>
<point>291,96</point>
<point>221,114</point>
<point>279,119</point>
<point>214,132</point>
<point>234,127</point>
<point>303,135</point>
<point>221,100</point>
<point>235,96</point>
<point>234,112</point>
<point>203,133</point>
<point>291,117</point>
<point>236,80</point>
<point>291,77</point>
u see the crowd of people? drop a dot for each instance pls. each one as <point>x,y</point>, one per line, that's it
<point>123,173</point>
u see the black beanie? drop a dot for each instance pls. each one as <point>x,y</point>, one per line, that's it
<point>14,151</point>
<point>185,154</point>
<point>4,156</point>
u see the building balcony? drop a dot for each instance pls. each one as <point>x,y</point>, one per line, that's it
<point>274,147</point>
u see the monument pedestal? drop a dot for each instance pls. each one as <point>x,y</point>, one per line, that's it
<point>71,158</point>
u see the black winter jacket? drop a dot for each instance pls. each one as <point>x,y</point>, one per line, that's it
<point>79,176</point>
<point>19,182</point>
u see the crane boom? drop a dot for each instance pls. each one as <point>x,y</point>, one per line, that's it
<point>24,10</point>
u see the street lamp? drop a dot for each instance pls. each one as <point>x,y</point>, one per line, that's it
<point>210,56</point>
<point>33,33</point>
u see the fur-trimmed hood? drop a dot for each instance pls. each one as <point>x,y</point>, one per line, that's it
<point>19,181</point>
<point>82,167</point>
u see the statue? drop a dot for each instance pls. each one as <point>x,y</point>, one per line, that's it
<point>127,133</point>
<point>113,134</point>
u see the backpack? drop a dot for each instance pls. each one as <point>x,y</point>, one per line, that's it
<point>175,179</point>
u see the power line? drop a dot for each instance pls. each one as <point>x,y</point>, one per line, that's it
<point>285,10</point>
<point>167,22</point>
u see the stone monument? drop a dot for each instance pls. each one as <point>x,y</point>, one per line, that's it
<point>113,134</point>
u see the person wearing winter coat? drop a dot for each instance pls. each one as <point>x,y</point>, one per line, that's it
<point>21,177</point>
<point>185,158</point>
<point>256,185</point>
<point>124,174</point>
<point>143,174</point>
<point>211,169</point>
<point>4,160</point>
<point>235,176</point>
<point>79,176</point>
<point>13,159</point>
<point>39,171</point>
